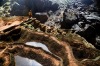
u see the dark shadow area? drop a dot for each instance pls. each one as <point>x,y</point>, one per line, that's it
<point>1,62</point>
<point>24,6</point>
<point>1,2</point>
<point>87,2</point>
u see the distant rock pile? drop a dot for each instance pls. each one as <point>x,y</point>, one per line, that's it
<point>84,20</point>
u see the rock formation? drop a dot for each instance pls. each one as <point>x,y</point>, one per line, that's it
<point>62,43</point>
<point>97,5</point>
<point>84,20</point>
<point>68,28</point>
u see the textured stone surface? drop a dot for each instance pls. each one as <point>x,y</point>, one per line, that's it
<point>67,48</point>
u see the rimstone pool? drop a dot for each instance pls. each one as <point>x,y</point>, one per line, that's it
<point>22,61</point>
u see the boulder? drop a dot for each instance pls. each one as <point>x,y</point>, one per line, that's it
<point>69,19</point>
<point>42,17</point>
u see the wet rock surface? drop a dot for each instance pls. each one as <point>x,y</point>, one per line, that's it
<point>70,32</point>
<point>58,42</point>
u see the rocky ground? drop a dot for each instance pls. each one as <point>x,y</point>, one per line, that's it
<point>70,30</point>
<point>67,48</point>
<point>85,20</point>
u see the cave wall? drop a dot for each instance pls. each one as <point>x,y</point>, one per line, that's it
<point>22,7</point>
<point>1,1</point>
<point>87,2</point>
<point>97,3</point>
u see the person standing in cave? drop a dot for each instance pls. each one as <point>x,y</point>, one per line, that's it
<point>30,14</point>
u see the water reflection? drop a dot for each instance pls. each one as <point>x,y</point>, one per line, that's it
<point>21,61</point>
<point>35,44</point>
